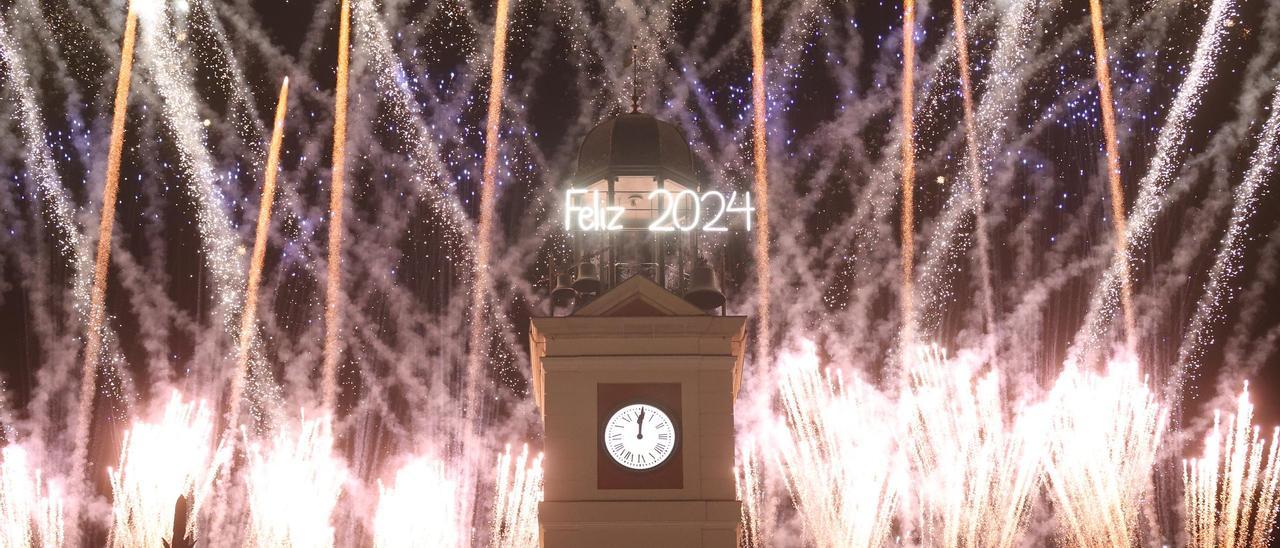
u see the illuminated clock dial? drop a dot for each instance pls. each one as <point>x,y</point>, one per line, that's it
<point>640,436</point>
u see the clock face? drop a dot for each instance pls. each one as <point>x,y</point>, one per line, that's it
<point>639,436</point>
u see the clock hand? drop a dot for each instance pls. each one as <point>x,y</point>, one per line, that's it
<point>640,425</point>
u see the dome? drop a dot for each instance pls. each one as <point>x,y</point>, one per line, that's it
<point>635,144</point>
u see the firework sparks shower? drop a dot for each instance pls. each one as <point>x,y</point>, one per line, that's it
<point>159,462</point>
<point>1230,491</point>
<point>973,166</point>
<point>517,490</point>
<point>31,511</point>
<point>419,509</point>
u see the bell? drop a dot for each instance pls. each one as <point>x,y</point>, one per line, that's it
<point>563,292</point>
<point>704,289</point>
<point>588,280</point>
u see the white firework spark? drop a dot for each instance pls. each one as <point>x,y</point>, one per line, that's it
<point>160,461</point>
<point>517,491</point>
<point>31,510</point>
<point>294,481</point>
<point>1230,492</point>
<point>421,509</point>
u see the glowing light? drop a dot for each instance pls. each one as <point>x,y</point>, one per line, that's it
<point>478,342</point>
<point>517,491</point>
<point>333,282</point>
<point>293,486</point>
<point>975,461</point>
<point>421,509</point>
<point>159,462</point>
<point>907,226</point>
<point>976,471</point>
<point>1105,431</point>
<point>106,222</point>
<point>760,141</point>
<point>838,456</point>
<point>591,215</point>
<point>31,511</point>
<point>147,7</point>
<point>1230,492</point>
<point>1113,165</point>
<point>249,314</point>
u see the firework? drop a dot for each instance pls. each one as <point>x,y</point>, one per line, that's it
<point>293,486</point>
<point>517,491</point>
<point>1230,492</point>
<point>1113,163</point>
<point>747,483</point>
<point>1228,258</point>
<point>161,44</point>
<point>1169,147</point>
<point>333,282</point>
<point>838,456</point>
<point>907,223</point>
<point>760,141</point>
<point>1104,433</point>
<point>976,467</point>
<point>247,316</point>
<point>421,509</point>
<point>159,462</point>
<point>963,463</point>
<point>478,343</point>
<point>973,167</point>
<point>106,222</point>
<point>31,511</point>
<point>934,450</point>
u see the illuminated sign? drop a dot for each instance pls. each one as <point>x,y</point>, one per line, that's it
<point>666,211</point>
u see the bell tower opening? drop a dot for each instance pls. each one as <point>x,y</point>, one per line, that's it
<point>634,207</point>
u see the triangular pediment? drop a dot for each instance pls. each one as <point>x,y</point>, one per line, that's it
<point>639,296</point>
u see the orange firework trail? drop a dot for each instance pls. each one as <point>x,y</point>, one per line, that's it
<point>98,296</point>
<point>908,167</point>
<point>255,264</point>
<point>480,274</point>
<point>1113,164</point>
<point>972,168</point>
<point>761,187</point>
<point>333,288</point>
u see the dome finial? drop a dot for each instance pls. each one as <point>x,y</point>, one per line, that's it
<point>635,78</point>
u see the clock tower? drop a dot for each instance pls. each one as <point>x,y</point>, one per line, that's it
<point>634,374</point>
